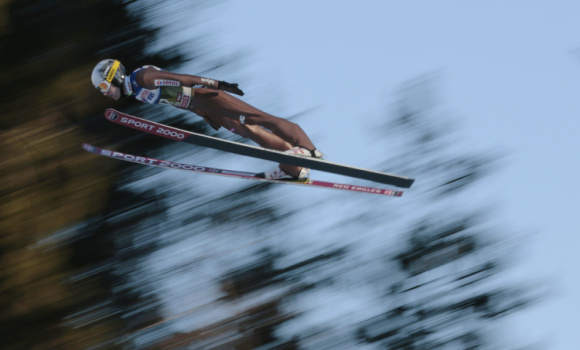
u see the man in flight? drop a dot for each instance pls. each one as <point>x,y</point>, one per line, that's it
<point>211,100</point>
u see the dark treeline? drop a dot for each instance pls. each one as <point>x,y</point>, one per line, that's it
<point>58,293</point>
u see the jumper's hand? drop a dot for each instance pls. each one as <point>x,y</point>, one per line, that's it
<point>233,88</point>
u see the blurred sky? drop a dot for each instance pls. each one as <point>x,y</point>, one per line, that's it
<point>508,72</point>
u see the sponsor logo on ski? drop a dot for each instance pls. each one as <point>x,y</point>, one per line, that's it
<point>172,133</point>
<point>358,188</point>
<point>151,161</point>
<point>136,124</point>
<point>113,116</point>
<point>128,157</point>
<point>182,166</point>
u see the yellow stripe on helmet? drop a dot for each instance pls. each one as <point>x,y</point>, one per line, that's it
<point>112,71</point>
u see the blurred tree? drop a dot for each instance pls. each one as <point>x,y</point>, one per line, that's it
<point>54,295</point>
<point>446,295</point>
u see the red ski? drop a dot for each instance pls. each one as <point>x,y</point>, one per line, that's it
<point>233,174</point>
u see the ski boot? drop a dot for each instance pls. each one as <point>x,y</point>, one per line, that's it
<point>303,176</point>
<point>279,174</point>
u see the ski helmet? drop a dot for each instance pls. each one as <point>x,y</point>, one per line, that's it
<point>106,73</point>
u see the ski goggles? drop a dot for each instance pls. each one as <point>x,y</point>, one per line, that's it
<point>105,85</point>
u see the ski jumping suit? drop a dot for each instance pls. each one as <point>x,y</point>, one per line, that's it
<point>217,107</point>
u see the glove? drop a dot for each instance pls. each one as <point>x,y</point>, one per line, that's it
<point>232,88</point>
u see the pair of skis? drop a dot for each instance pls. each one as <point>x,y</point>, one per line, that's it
<point>246,150</point>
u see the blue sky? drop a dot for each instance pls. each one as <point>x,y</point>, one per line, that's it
<point>508,72</point>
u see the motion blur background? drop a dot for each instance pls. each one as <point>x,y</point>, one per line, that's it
<point>101,254</point>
